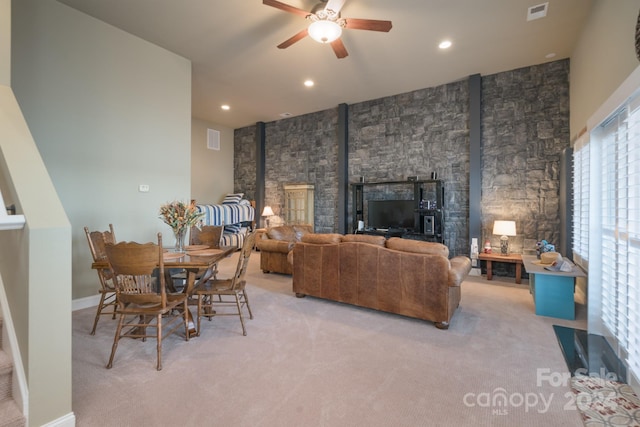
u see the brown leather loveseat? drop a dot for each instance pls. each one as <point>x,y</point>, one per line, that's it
<point>275,245</point>
<point>407,277</point>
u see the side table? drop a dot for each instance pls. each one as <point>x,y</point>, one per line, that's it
<point>552,290</point>
<point>511,258</point>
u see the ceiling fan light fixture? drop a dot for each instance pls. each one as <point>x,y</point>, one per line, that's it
<point>324,31</point>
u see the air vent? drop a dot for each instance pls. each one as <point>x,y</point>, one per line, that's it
<point>213,139</point>
<point>538,11</point>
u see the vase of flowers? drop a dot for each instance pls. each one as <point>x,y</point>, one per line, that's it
<point>180,236</point>
<point>180,217</point>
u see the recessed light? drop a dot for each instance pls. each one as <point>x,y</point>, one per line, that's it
<point>550,55</point>
<point>445,44</point>
<point>309,83</point>
<point>225,107</point>
<point>285,114</point>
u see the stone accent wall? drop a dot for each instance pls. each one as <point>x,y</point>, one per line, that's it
<point>298,150</point>
<point>245,162</point>
<point>417,133</point>
<point>303,150</point>
<point>525,127</point>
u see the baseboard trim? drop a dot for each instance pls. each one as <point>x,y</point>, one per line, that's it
<point>68,420</point>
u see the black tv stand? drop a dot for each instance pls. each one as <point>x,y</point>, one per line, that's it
<point>428,209</point>
<point>386,232</point>
<point>402,233</point>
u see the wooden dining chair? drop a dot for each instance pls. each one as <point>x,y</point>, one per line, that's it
<point>142,296</point>
<point>206,235</point>
<point>97,241</point>
<point>213,292</point>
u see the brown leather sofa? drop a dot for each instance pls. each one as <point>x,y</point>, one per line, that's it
<point>407,277</point>
<point>275,245</point>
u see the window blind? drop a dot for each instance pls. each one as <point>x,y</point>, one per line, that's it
<point>633,230</point>
<point>580,220</point>
<point>617,143</point>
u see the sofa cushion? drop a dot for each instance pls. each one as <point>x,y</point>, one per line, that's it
<point>283,232</point>
<point>417,246</point>
<point>322,239</point>
<point>364,238</point>
<point>301,230</point>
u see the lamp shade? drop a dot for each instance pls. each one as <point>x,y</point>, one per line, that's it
<point>324,31</point>
<point>504,228</point>
<point>267,211</point>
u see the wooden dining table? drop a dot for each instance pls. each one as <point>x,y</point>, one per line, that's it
<point>199,265</point>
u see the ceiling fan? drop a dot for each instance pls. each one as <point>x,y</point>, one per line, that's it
<point>326,24</point>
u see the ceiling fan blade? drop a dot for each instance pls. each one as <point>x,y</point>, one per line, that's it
<point>334,5</point>
<point>286,7</point>
<point>368,24</point>
<point>285,44</point>
<point>339,49</point>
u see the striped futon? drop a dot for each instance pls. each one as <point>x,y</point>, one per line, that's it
<point>235,217</point>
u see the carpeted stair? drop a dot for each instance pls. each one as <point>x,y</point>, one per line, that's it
<point>10,415</point>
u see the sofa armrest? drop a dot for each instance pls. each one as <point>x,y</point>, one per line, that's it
<point>460,268</point>
<point>270,245</point>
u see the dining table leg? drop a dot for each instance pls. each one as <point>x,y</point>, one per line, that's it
<point>188,289</point>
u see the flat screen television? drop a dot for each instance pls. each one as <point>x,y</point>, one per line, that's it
<point>390,214</point>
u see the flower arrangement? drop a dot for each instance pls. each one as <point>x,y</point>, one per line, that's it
<point>180,216</point>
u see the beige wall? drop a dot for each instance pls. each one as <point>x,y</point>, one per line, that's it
<point>35,265</point>
<point>211,170</point>
<point>35,262</point>
<point>603,57</point>
<point>108,112</point>
<point>5,42</point>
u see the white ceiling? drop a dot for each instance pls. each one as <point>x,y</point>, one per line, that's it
<point>232,47</point>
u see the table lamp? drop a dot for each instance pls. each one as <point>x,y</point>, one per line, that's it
<point>267,212</point>
<point>504,229</point>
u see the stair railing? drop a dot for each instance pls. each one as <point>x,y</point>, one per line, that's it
<point>19,389</point>
<point>10,222</point>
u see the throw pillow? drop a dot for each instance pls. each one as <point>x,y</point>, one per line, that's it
<point>232,198</point>
<point>233,228</point>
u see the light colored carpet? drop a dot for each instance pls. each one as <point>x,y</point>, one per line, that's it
<point>319,363</point>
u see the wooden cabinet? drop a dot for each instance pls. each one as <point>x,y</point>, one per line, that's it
<point>298,204</point>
